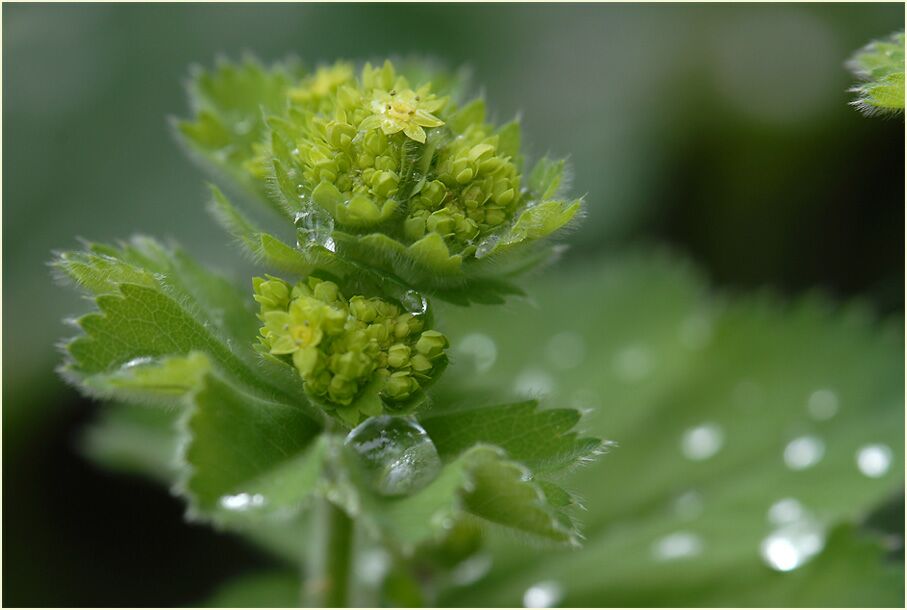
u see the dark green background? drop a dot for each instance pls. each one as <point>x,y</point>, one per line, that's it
<point>723,130</point>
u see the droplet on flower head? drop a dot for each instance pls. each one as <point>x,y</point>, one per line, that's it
<point>345,349</point>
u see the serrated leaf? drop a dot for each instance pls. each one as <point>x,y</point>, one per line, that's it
<point>543,440</point>
<point>229,104</point>
<point>247,456</point>
<point>135,440</point>
<point>545,178</point>
<point>720,410</point>
<point>881,65</point>
<point>482,481</point>
<point>178,309</point>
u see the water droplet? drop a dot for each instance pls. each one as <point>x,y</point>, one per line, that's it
<point>566,350</point>
<point>533,383</point>
<point>677,546</point>
<point>633,363</point>
<point>822,404</point>
<point>414,302</point>
<point>688,506</point>
<point>372,565</point>
<point>702,442</point>
<point>242,502</point>
<point>696,331</point>
<point>804,452</point>
<point>480,348</point>
<point>786,510</point>
<point>314,226</point>
<point>396,454</point>
<point>471,570</point>
<point>874,460</point>
<point>543,595</point>
<point>140,361</point>
<point>792,545</point>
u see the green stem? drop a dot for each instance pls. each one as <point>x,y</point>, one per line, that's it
<point>328,582</point>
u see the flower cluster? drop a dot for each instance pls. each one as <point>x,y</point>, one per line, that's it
<point>344,348</point>
<point>377,153</point>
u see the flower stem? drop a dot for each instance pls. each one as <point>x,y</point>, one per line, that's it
<point>328,581</point>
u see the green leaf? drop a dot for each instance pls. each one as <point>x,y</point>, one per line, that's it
<point>229,105</point>
<point>135,440</point>
<point>247,458</point>
<point>545,178</point>
<point>481,481</point>
<point>880,64</point>
<point>179,308</point>
<point>543,440</point>
<point>704,397</point>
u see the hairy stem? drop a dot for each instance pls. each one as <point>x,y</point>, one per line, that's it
<point>328,580</point>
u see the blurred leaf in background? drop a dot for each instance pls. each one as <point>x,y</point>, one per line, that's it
<point>723,130</point>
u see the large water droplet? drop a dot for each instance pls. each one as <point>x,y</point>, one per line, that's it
<point>792,545</point>
<point>702,442</point>
<point>566,350</point>
<point>543,595</point>
<point>414,302</point>
<point>804,452</point>
<point>677,546</point>
<point>480,348</point>
<point>874,460</point>
<point>396,454</point>
<point>822,404</point>
<point>314,226</point>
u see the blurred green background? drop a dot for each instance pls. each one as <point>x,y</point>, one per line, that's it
<point>722,131</point>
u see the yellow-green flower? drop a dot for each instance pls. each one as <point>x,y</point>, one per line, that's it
<point>342,346</point>
<point>405,110</point>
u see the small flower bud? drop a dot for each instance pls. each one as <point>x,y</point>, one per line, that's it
<point>363,309</point>
<point>326,291</point>
<point>398,356</point>
<point>400,385</point>
<point>272,294</point>
<point>431,343</point>
<point>421,364</point>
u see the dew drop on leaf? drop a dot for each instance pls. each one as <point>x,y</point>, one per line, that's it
<point>314,226</point>
<point>786,510</point>
<point>790,546</point>
<point>242,502</point>
<point>822,404</point>
<point>874,460</point>
<point>702,442</point>
<point>395,453</point>
<point>543,595</point>
<point>804,452</point>
<point>678,545</point>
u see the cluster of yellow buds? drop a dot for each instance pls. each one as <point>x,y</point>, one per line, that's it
<point>343,348</point>
<point>381,156</point>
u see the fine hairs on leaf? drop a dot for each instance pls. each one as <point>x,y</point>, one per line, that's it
<point>880,68</point>
<point>309,391</point>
